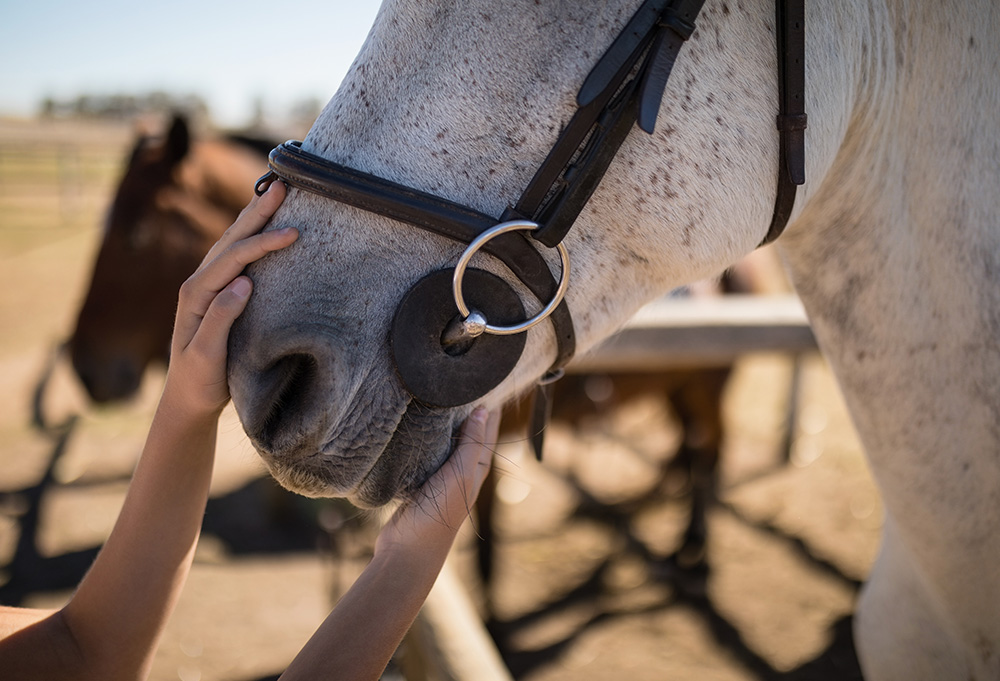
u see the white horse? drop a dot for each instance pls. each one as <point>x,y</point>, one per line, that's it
<point>893,245</point>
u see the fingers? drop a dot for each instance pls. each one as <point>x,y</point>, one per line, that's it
<point>211,300</point>
<point>229,263</point>
<point>241,244</point>
<point>212,336</point>
<point>252,219</point>
<point>434,516</point>
<point>462,475</point>
<point>239,247</point>
<point>475,448</point>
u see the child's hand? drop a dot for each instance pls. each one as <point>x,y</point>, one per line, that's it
<point>211,300</point>
<point>433,518</point>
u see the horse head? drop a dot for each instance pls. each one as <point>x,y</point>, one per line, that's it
<point>464,102</point>
<point>176,197</point>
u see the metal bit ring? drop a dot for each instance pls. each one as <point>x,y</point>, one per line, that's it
<point>477,243</point>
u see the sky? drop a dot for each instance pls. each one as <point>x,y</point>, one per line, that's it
<point>229,53</point>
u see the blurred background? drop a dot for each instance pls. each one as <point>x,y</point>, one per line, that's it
<point>238,65</point>
<point>583,585</point>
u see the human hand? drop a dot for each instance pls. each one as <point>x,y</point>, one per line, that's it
<point>210,301</point>
<point>434,516</point>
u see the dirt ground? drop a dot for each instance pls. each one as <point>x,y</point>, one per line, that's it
<point>575,594</point>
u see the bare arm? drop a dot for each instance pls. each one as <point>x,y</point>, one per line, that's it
<point>110,628</point>
<point>357,639</point>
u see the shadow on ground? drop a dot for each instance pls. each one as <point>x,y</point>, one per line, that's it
<point>687,588</point>
<point>258,518</point>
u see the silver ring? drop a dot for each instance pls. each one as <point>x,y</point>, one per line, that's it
<point>477,243</point>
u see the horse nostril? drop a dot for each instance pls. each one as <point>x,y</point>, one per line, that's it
<point>291,380</point>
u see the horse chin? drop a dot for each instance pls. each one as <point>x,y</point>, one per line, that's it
<point>416,451</point>
<point>383,472</point>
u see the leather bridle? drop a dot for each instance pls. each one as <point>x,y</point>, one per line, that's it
<point>443,357</point>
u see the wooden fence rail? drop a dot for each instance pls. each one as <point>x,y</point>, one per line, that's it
<point>676,333</point>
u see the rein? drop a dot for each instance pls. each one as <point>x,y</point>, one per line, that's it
<point>447,352</point>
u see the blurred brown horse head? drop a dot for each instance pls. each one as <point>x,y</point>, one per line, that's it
<point>177,196</point>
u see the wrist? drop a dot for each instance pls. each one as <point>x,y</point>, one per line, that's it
<point>415,549</point>
<point>416,531</point>
<point>185,413</point>
<point>182,404</point>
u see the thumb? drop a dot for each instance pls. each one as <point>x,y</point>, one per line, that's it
<point>474,454</point>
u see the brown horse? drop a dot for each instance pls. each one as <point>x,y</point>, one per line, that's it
<point>175,199</point>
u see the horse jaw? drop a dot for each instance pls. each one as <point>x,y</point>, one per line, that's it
<point>311,372</point>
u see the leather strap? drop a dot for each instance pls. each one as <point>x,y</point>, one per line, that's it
<point>315,174</point>
<point>541,412</point>
<point>790,33</point>
<point>675,26</point>
<point>625,86</point>
<point>299,168</point>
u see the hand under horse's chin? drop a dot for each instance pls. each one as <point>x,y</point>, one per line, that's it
<point>376,473</point>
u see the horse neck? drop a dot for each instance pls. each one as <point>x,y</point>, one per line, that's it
<point>895,251</point>
<point>894,150</point>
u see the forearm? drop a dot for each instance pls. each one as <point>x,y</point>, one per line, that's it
<point>122,604</point>
<point>359,636</point>
<point>110,628</point>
